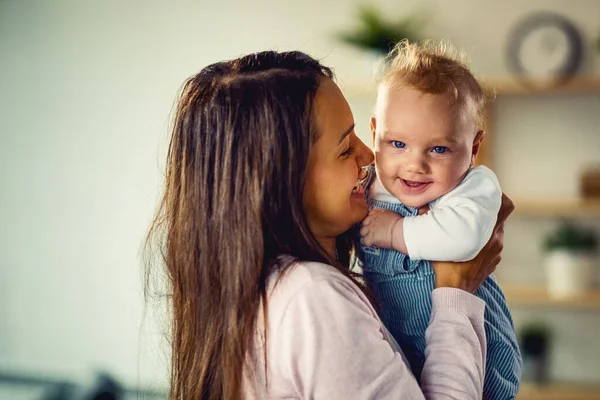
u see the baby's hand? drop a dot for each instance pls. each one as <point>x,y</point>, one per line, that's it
<point>377,228</point>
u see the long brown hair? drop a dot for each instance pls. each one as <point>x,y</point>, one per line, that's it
<point>231,207</point>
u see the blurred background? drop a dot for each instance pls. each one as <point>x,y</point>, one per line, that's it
<point>86,91</point>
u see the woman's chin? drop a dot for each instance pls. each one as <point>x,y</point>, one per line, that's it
<point>359,212</point>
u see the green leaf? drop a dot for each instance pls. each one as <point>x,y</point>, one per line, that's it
<point>572,238</point>
<point>375,33</point>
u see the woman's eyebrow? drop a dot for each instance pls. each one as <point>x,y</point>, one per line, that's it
<point>346,133</point>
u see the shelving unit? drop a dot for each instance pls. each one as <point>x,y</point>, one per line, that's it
<point>577,85</point>
<point>557,207</point>
<point>510,87</point>
<point>520,295</point>
<point>558,392</point>
<point>538,297</point>
<point>499,87</point>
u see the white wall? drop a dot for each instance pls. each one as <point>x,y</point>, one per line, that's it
<point>85,92</point>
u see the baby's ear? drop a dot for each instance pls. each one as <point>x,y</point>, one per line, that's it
<point>373,127</point>
<point>477,144</point>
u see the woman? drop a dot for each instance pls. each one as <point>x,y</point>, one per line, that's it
<point>262,189</point>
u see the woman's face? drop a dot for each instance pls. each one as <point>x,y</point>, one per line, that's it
<point>333,198</point>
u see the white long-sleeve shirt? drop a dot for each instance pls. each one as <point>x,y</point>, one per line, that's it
<point>458,224</point>
<point>325,341</point>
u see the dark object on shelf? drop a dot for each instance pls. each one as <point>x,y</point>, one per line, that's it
<point>60,391</point>
<point>544,49</point>
<point>535,345</point>
<point>590,183</point>
<point>102,387</point>
<point>570,237</point>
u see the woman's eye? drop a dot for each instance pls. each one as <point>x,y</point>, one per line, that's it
<point>398,144</point>
<point>440,149</point>
<point>347,152</point>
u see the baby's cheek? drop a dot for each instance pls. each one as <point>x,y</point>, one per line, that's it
<point>387,166</point>
<point>453,174</point>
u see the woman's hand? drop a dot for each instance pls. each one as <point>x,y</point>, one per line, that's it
<point>470,275</point>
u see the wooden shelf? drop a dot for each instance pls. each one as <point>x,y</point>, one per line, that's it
<point>500,86</point>
<point>558,207</point>
<point>539,297</point>
<point>559,392</point>
<point>577,85</point>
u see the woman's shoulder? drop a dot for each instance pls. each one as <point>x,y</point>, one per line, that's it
<point>304,280</point>
<point>305,275</point>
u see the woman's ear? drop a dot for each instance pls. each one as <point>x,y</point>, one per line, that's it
<point>373,128</point>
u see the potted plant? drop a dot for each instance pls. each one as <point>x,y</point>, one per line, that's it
<point>571,253</point>
<point>378,35</point>
<point>534,341</point>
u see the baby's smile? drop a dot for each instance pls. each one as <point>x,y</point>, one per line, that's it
<point>414,186</point>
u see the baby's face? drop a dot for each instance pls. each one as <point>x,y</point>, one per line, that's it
<point>424,144</point>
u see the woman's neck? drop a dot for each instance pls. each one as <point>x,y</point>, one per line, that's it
<point>328,244</point>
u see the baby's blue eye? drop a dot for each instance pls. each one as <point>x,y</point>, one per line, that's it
<point>398,144</point>
<point>440,149</point>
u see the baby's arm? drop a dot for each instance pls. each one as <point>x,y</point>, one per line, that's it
<point>383,228</point>
<point>460,224</point>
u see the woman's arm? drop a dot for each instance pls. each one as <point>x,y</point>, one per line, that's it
<point>326,341</point>
<point>329,344</point>
<point>442,360</point>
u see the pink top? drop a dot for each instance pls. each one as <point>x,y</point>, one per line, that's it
<point>325,341</point>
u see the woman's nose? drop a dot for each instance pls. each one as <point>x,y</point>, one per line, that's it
<point>364,155</point>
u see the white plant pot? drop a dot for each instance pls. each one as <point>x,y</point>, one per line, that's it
<point>569,274</point>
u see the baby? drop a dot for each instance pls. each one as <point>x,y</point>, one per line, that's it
<point>427,133</point>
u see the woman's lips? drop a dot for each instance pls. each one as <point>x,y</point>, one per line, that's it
<point>359,191</point>
<point>413,187</point>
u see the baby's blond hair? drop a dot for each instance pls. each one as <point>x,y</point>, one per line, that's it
<point>436,68</point>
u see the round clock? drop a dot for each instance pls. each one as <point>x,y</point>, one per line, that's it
<point>544,47</point>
